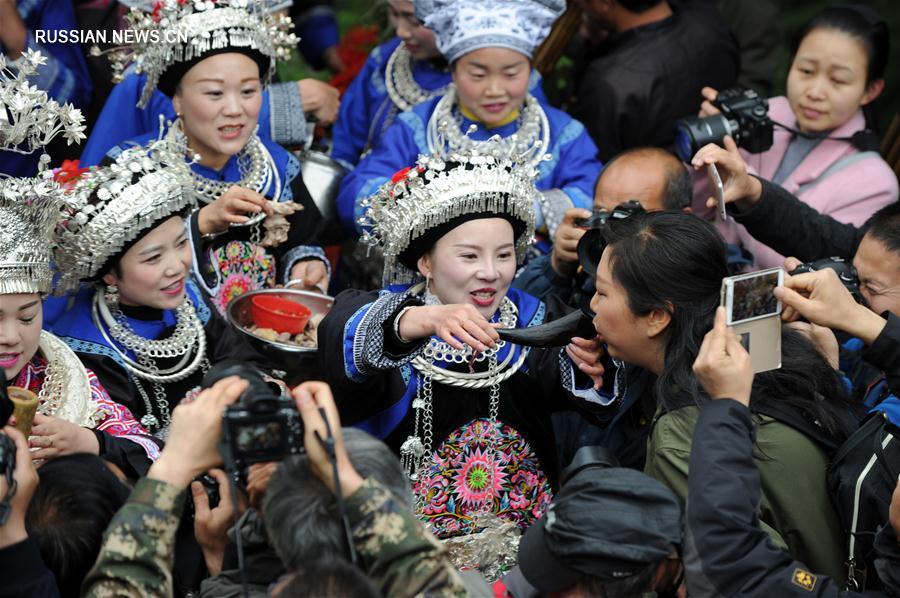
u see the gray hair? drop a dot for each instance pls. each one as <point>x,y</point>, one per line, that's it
<point>300,512</point>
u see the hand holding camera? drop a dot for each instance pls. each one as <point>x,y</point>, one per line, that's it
<point>213,519</point>
<point>315,403</point>
<point>192,447</point>
<point>564,257</point>
<point>723,365</point>
<point>14,455</point>
<point>822,298</point>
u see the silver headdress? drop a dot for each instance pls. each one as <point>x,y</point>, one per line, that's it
<point>29,207</point>
<point>183,30</point>
<point>113,205</point>
<point>441,188</point>
<point>461,26</point>
<point>28,118</point>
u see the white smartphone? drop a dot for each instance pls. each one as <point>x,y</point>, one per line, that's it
<point>753,312</point>
<point>718,189</point>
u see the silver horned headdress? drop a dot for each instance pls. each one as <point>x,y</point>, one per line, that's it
<point>114,205</point>
<point>30,207</point>
<point>183,30</point>
<point>441,188</point>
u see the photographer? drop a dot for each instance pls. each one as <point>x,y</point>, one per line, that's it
<point>730,555</point>
<point>137,556</point>
<point>821,150</point>
<point>651,176</point>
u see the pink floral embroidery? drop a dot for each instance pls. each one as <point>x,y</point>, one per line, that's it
<point>244,267</point>
<point>466,475</point>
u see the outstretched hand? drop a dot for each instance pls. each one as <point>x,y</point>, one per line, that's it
<point>723,366</point>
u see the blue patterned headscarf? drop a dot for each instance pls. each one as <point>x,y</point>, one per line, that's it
<point>462,26</point>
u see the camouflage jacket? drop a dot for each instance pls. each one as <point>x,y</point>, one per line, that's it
<point>137,553</point>
<point>395,551</point>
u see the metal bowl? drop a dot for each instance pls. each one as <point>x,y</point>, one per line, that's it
<point>297,363</point>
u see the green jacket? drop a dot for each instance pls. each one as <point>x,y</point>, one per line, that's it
<point>397,554</point>
<point>795,509</point>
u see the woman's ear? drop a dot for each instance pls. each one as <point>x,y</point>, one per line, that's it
<point>658,321</point>
<point>873,90</point>
<point>176,103</point>
<point>424,265</point>
<point>110,279</point>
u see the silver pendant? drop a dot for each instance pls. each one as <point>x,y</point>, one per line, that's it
<point>149,421</point>
<point>412,446</point>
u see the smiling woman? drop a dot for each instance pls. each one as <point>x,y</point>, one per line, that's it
<point>489,45</point>
<point>423,366</point>
<point>136,317</point>
<point>216,90</point>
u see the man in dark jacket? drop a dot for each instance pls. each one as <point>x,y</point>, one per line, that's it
<point>726,554</point>
<point>649,72</point>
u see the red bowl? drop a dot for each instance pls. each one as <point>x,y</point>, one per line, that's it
<point>281,315</point>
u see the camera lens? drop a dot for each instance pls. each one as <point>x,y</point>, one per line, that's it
<point>693,133</point>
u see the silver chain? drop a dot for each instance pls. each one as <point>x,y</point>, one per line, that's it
<point>402,88</point>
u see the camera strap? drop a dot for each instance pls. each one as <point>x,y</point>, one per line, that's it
<point>328,444</point>
<point>864,140</point>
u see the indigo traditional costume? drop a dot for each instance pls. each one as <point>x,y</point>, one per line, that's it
<point>244,257</point>
<point>473,430</point>
<point>568,168</point>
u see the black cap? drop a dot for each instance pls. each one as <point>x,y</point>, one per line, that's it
<point>604,523</point>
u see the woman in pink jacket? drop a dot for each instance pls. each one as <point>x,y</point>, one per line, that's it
<point>837,71</point>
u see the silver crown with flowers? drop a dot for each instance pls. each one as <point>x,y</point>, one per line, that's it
<point>442,187</point>
<point>29,207</point>
<point>113,204</point>
<point>206,25</point>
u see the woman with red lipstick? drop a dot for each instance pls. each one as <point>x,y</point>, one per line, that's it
<point>399,74</point>
<point>422,366</point>
<point>837,71</point>
<point>136,318</point>
<point>238,176</point>
<point>489,45</point>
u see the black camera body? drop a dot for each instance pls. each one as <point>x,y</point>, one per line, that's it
<point>844,269</point>
<point>600,217</point>
<point>744,116</point>
<point>263,425</point>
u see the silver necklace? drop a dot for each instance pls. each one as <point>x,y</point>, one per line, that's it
<point>401,86</point>
<point>188,334</point>
<point>418,446</point>
<point>255,164</point>
<point>444,132</point>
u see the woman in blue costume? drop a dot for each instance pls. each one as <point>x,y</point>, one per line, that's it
<point>281,118</point>
<point>136,318</point>
<point>422,366</point>
<point>398,75</point>
<point>256,216</point>
<point>489,46</point>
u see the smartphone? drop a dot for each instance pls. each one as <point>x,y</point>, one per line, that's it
<point>719,190</point>
<point>753,312</point>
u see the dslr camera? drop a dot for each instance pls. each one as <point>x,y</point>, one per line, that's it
<point>600,217</point>
<point>844,269</point>
<point>744,116</point>
<point>263,424</point>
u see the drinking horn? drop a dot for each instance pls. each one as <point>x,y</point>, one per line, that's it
<point>552,334</point>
